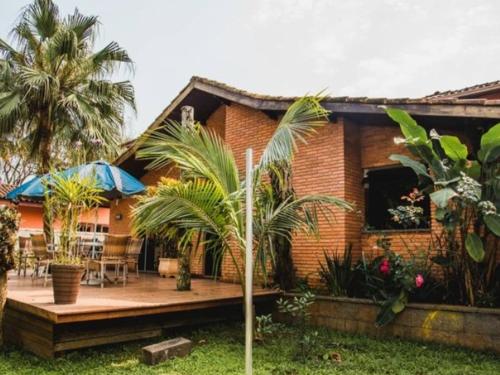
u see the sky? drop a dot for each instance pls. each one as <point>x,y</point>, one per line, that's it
<point>389,48</point>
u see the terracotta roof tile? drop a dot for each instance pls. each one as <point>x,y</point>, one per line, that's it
<point>436,98</point>
<point>282,102</point>
<point>466,90</point>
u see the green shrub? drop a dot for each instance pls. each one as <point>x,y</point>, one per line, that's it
<point>463,183</point>
<point>9,224</point>
<point>337,272</point>
<point>298,308</point>
<point>265,327</point>
<point>390,280</point>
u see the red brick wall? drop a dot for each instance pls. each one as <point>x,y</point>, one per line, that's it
<point>244,128</point>
<point>120,207</point>
<point>332,163</point>
<point>217,121</point>
<point>354,191</point>
<point>377,144</point>
<point>329,164</point>
<point>405,243</point>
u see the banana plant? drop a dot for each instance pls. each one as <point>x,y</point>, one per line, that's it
<point>465,190</point>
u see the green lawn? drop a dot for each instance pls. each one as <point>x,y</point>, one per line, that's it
<point>219,350</point>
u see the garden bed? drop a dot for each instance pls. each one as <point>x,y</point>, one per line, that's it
<point>470,327</point>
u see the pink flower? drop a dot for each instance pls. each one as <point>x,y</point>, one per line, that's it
<point>419,281</point>
<point>385,267</point>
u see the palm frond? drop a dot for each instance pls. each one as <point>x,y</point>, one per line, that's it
<point>10,53</point>
<point>63,44</point>
<point>301,119</point>
<point>12,111</point>
<point>43,17</point>
<point>105,60</point>
<point>85,27</point>
<point>38,82</point>
<point>192,205</point>
<point>300,214</point>
<point>200,154</point>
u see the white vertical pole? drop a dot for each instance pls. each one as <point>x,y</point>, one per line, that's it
<point>94,237</point>
<point>248,264</point>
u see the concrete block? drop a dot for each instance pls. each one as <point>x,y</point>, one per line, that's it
<point>156,353</point>
<point>482,324</point>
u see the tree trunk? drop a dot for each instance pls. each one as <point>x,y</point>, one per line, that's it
<point>284,274</point>
<point>45,150</point>
<point>184,273</point>
<point>284,271</point>
<point>3,298</point>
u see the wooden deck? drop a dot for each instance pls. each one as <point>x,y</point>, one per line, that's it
<point>142,309</point>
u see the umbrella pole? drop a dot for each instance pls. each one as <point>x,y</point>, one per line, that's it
<point>96,219</point>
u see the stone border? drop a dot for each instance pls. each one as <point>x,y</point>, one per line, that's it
<point>470,327</point>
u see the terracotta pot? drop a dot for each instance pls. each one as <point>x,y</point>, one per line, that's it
<point>66,283</point>
<point>168,267</point>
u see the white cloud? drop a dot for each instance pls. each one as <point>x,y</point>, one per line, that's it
<point>387,47</point>
<point>291,47</point>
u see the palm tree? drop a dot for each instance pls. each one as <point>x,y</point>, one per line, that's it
<point>57,90</point>
<point>209,199</point>
<point>300,121</point>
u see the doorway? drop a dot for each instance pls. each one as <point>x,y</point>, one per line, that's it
<point>152,250</point>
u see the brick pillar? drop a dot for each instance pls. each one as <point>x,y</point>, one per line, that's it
<point>353,188</point>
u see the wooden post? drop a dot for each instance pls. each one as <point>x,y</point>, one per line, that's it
<point>187,116</point>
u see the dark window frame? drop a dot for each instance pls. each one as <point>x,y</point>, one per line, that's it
<point>381,193</point>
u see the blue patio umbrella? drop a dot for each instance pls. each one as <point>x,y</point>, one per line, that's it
<point>114,181</point>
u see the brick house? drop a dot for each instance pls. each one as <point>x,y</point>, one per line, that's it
<point>348,158</point>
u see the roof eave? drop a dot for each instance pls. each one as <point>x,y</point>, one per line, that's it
<point>451,109</point>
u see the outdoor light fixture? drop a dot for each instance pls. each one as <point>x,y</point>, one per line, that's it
<point>365,181</point>
<point>118,216</point>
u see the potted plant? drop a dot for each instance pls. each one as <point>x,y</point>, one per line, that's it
<point>69,197</point>
<point>168,263</point>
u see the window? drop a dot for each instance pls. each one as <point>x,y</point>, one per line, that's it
<point>89,227</point>
<point>85,227</point>
<point>391,201</point>
<point>102,228</point>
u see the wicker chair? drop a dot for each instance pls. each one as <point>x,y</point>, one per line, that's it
<point>113,254</point>
<point>134,247</point>
<point>24,254</point>
<point>43,258</point>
